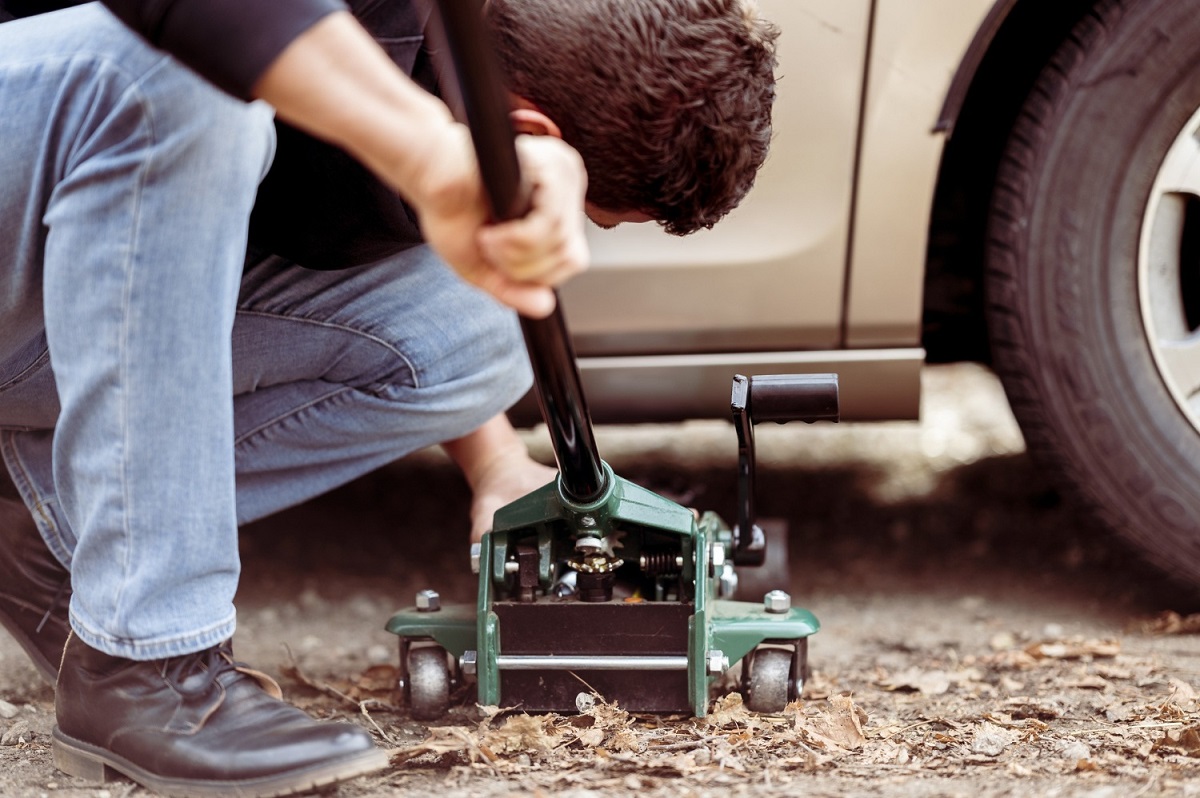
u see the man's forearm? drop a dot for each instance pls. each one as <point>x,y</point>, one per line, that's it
<point>336,83</point>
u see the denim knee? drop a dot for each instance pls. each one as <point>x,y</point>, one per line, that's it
<point>141,92</point>
<point>471,370</point>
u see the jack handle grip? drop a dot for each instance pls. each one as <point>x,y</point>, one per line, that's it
<point>793,397</point>
<point>484,102</point>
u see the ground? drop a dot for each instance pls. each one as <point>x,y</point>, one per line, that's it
<point>979,637</point>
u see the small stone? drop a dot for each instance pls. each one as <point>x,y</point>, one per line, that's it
<point>1003,641</point>
<point>585,702</point>
<point>364,607</point>
<point>1076,750</point>
<point>311,600</point>
<point>18,734</point>
<point>7,710</point>
<point>990,740</point>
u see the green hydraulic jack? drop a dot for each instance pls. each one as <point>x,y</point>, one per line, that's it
<point>593,585</point>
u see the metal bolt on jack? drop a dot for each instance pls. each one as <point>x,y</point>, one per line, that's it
<point>777,602</point>
<point>428,600</point>
<point>718,663</point>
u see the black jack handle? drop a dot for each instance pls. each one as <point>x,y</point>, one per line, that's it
<point>779,398</point>
<point>485,105</point>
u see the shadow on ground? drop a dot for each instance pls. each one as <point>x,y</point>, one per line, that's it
<point>990,528</point>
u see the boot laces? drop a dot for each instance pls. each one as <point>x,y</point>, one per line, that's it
<point>58,597</point>
<point>209,664</point>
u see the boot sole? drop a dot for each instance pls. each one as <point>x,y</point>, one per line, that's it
<point>89,762</point>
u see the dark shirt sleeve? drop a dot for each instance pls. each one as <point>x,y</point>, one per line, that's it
<point>229,42</point>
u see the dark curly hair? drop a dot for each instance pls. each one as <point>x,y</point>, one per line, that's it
<point>668,101</point>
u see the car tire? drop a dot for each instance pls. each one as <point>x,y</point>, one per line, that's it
<point>1093,277</point>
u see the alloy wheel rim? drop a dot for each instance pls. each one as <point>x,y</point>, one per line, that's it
<point>1169,271</point>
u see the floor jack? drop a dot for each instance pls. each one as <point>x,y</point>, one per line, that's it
<point>593,584</point>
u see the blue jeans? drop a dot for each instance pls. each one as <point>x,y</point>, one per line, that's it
<point>158,387</point>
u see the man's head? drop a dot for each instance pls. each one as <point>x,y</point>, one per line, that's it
<point>668,101</point>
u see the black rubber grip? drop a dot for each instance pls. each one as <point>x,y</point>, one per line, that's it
<point>793,397</point>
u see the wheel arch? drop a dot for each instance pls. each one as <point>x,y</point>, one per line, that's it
<point>1010,49</point>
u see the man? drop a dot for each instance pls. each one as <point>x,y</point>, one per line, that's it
<point>147,278</point>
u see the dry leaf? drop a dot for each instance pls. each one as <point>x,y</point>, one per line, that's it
<point>934,682</point>
<point>1179,741</point>
<point>378,679</point>
<point>524,734</point>
<point>1172,623</point>
<point>441,741</point>
<point>837,728</point>
<point>1031,707</point>
<point>728,710</point>
<point>1183,695</point>
<point>592,738</point>
<point>1087,682</point>
<point>929,682</point>
<point>1074,649</point>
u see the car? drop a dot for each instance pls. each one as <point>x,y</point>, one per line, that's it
<point>1015,182</point>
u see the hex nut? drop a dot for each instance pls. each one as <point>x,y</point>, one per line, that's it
<point>468,662</point>
<point>428,600</point>
<point>476,554</point>
<point>718,663</point>
<point>777,602</point>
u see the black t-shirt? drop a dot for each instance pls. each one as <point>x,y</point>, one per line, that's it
<point>250,33</point>
<point>317,206</point>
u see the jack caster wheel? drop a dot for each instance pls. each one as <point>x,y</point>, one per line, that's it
<point>428,682</point>
<point>767,684</point>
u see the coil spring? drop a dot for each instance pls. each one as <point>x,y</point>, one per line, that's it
<point>661,563</point>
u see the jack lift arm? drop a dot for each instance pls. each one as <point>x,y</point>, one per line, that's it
<point>592,584</point>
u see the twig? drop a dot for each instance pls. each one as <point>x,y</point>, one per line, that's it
<point>1172,724</point>
<point>330,690</point>
<point>1149,784</point>
<point>909,727</point>
<point>685,744</point>
<point>362,707</point>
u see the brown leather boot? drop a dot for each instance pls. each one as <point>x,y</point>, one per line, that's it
<point>35,590</point>
<point>196,725</point>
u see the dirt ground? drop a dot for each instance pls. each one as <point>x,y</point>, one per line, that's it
<point>978,638</point>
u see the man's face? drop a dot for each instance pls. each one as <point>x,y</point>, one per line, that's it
<point>610,219</point>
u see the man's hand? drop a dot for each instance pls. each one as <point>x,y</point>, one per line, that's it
<point>334,82</point>
<point>519,261</point>
<point>498,468</point>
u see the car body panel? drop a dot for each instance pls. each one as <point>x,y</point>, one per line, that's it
<point>826,255</point>
<point>762,277</point>
<point>917,46</point>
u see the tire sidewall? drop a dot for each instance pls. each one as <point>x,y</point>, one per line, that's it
<point>1087,155</point>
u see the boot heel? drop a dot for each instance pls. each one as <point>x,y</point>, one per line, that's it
<point>82,765</point>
